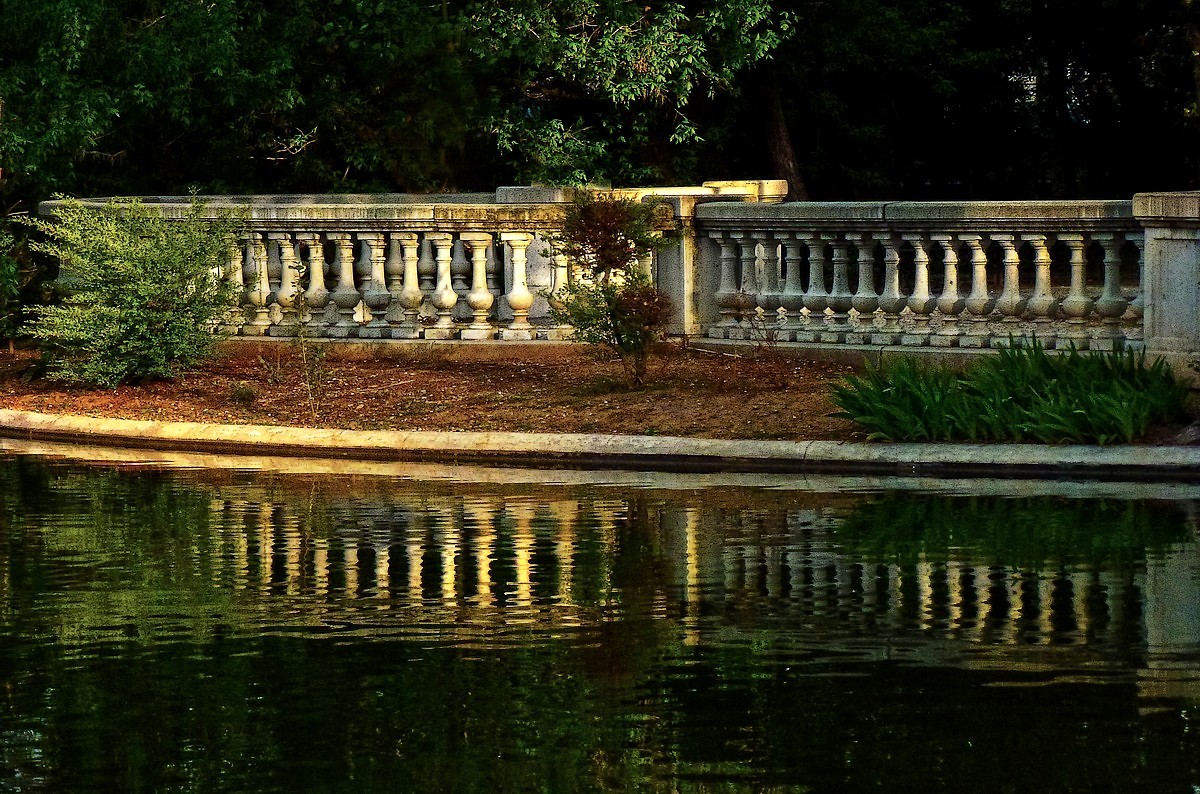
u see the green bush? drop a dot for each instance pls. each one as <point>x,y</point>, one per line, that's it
<point>1021,394</point>
<point>143,290</point>
<point>612,303</point>
<point>10,287</point>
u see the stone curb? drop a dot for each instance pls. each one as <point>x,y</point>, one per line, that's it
<point>649,453</point>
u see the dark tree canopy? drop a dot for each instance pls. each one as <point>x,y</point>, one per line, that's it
<point>852,99</point>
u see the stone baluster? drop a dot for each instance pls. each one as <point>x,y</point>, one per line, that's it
<point>316,295</point>
<point>1042,306</point>
<point>393,275</point>
<point>769,297</point>
<point>444,296</point>
<point>480,298</point>
<point>409,295</point>
<point>289,282</point>
<point>839,300</point>
<point>951,302</point>
<point>460,272</point>
<point>1137,307</point>
<point>980,302</point>
<point>561,275</point>
<point>375,292</point>
<point>921,302</point>
<point>259,287</point>
<point>519,298</point>
<point>232,322</point>
<point>646,262</point>
<point>345,296</point>
<point>1010,303</point>
<point>747,293</point>
<point>816,297</point>
<point>792,299</point>
<point>1077,306</point>
<point>427,267</point>
<point>726,294</point>
<point>892,301</point>
<point>1111,304</point>
<point>865,300</point>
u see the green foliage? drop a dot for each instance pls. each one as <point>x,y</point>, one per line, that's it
<point>612,80</point>
<point>143,290</point>
<point>1021,394</point>
<point>612,302</point>
<point>1033,533</point>
<point>10,286</point>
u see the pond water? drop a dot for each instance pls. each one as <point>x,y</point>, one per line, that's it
<point>225,629</point>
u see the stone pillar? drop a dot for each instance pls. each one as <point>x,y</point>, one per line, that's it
<point>444,296</point>
<point>519,297</point>
<point>289,282</point>
<point>680,274</point>
<point>921,302</point>
<point>480,298</point>
<point>374,292</point>
<point>950,303</point>
<point>1042,305</point>
<point>1077,305</point>
<point>409,296</point>
<point>1171,281</point>
<point>258,287</point>
<point>345,295</point>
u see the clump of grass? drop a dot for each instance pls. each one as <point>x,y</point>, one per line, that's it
<point>1021,394</point>
<point>243,394</point>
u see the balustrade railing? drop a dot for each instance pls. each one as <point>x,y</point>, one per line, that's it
<point>393,267</point>
<point>931,274</point>
<point>963,275</point>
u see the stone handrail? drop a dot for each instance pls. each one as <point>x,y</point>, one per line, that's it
<point>912,274</point>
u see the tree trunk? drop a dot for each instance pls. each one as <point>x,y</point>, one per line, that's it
<point>784,164</point>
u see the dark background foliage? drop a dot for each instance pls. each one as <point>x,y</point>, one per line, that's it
<point>854,99</point>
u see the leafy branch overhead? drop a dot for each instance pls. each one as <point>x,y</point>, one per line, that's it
<point>567,56</point>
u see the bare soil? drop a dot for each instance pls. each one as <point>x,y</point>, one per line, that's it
<point>552,388</point>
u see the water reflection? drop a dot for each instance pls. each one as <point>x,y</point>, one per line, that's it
<point>282,631</point>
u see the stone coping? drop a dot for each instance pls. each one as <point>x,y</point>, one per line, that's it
<point>639,453</point>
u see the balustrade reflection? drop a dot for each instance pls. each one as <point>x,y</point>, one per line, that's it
<point>548,564</point>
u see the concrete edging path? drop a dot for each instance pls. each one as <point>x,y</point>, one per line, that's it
<point>650,453</point>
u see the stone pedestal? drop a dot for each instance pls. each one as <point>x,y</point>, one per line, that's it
<point>1171,282</point>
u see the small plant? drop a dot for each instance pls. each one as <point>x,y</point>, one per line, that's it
<point>612,303</point>
<point>1021,394</point>
<point>315,372</point>
<point>143,290</point>
<point>274,369</point>
<point>243,394</point>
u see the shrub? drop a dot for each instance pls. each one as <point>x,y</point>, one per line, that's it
<point>143,290</point>
<point>1021,394</point>
<point>10,288</point>
<point>612,303</point>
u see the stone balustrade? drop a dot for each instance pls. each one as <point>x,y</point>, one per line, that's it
<point>472,266</point>
<point>743,267</point>
<point>922,274</point>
